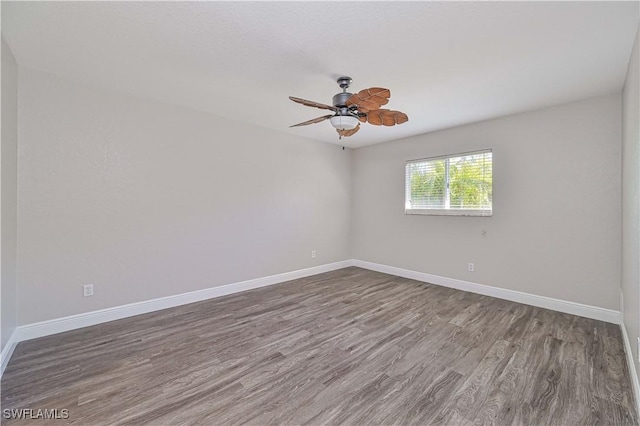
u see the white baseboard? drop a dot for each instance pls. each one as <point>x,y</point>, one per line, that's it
<point>59,325</point>
<point>631,365</point>
<point>7,351</point>
<point>587,311</point>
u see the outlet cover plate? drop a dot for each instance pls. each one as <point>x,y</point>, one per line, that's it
<point>87,290</point>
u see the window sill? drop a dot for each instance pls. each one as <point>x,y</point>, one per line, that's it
<point>449,212</point>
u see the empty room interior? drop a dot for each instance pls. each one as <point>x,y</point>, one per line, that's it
<point>351,213</point>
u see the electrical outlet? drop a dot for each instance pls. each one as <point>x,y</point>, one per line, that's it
<point>88,290</point>
<point>471,267</point>
<point>313,254</point>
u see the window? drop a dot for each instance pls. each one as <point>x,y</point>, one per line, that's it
<point>459,184</point>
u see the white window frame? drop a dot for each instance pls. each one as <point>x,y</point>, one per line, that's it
<point>447,211</point>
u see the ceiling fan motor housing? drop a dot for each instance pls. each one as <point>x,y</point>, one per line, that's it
<point>340,99</point>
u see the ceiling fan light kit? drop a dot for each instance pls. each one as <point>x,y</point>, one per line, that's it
<point>351,109</point>
<point>344,122</point>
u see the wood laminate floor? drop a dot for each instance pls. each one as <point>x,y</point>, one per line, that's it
<point>345,347</point>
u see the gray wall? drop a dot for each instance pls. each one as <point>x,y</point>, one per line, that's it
<point>146,200</point>
<point>8,202</point>
<point>555,229</point>
<point>631,199</point>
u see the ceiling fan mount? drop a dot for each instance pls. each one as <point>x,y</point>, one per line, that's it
<point>349,110</point>
<point>344,82</point>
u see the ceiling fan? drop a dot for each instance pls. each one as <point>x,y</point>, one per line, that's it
<point>351,109</point>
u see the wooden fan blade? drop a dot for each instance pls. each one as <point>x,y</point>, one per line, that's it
<point>313,104</point>
<point>366,106</point>
<point>386,117</point>
<point>400,117</point>
<point>348,132</point>
<point>313,121</point>
<point>372,98</point>
<point>375,117</point>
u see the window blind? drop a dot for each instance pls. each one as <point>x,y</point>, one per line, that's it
<point>459,184</point>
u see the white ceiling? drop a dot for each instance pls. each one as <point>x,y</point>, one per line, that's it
<point>446,63</point>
